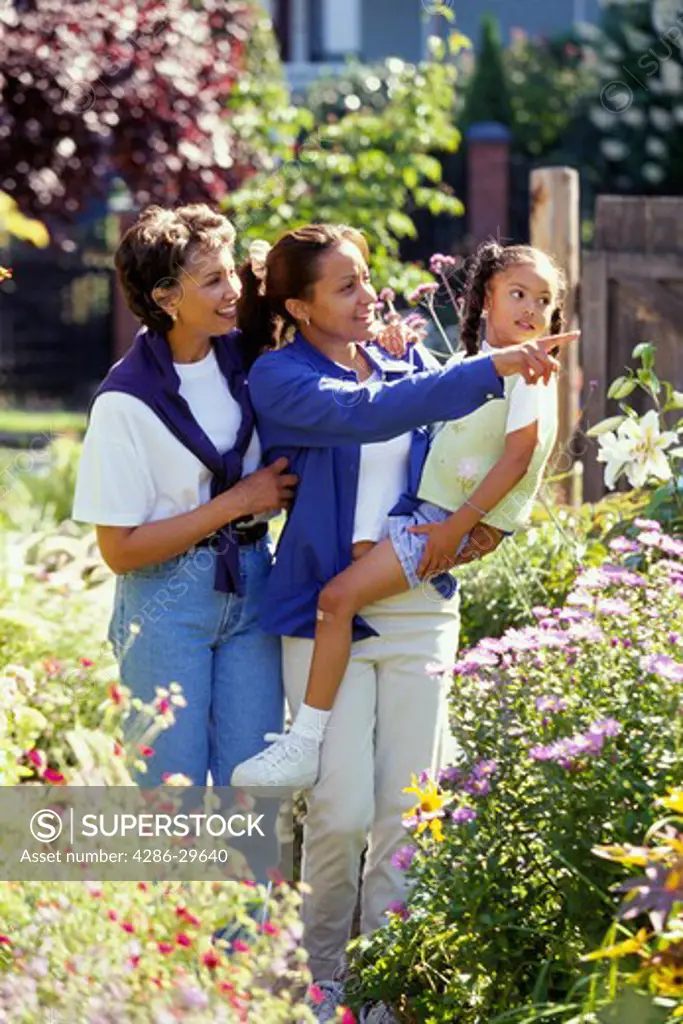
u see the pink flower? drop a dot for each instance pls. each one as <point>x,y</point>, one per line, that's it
<point>56,778</point>
<point>316,995</point>
<point>165,947</point>
<point>146,751</point>
<point>647,524</point>
<point>211,959</point>
<point>86,662</point>
<point>128,927</point>
<point>37,758</point>
<point>241,947</point>
<point>347,1016</point>
<point>5,940</point>
<point>399,908</point>
<point>115,694</point>
<point>387,295</point>
<point>271,929</point>
<point>183,940</point>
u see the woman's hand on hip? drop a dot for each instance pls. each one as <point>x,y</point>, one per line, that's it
<point>267,489</point>
<point>532,358</point>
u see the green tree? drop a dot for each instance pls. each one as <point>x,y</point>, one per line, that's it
<point>369,168</point>
<point>636,115</point>
<point>488,92</point>
<point>548,80</point>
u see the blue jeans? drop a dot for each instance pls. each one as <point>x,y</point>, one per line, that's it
<point>210,643</point>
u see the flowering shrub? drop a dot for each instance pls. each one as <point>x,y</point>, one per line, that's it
<point>646,449</point>
<point>565,728</point>
<point>123,953</point>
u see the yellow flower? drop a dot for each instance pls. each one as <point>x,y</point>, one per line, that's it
<point>427,813</point>
<point>674,801</point>
<point>668,979</point>
<point>638,855</point>
<point>626,948</point>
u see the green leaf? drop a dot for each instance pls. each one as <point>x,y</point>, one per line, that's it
<point>621,388</point>
<point>649,380</point>
<point>401,224</point>
<point>675,401</point>
<point>611,423</point>
<point>646,352</point>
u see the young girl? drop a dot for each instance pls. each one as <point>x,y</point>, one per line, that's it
<point>485,467</point>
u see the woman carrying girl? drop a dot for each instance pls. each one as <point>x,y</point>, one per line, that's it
<point>484,468</point>
<point>351,420</point>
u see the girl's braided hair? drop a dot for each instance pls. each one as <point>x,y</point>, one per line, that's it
<point>490,259</point>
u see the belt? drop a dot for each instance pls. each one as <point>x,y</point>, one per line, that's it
<point>244,536</point>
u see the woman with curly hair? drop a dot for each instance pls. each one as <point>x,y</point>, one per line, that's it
<point>170,478</point>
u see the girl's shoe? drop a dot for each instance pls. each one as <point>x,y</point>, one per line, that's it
<point>291,762</point>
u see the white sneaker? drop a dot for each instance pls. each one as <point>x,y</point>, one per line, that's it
<point>333,994</point>
<point>292,762</point>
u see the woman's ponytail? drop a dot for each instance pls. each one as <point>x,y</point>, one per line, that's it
<point>255,316</point>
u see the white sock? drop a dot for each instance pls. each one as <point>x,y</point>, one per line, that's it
<point>311,722</point>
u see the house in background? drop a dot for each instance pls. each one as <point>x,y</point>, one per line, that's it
<point>319,36</point>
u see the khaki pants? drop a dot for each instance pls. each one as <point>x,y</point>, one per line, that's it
<point>389,721</point>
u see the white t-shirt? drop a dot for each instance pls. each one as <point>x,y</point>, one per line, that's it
<point>133,470</point>
<point>382,479</point>
<point>526,400</point>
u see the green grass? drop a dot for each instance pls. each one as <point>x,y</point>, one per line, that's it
<point>18,421</point>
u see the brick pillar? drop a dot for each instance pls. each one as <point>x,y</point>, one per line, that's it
<point>488,181</point>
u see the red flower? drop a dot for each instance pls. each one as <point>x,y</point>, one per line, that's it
<point>5,940</point>
<point>183,940</point>
<point>163,706</point>
<point>146,751</point>
<point>165,947</point>
<point>116,693</point>
<point>211,959</point>
<point>37,758</point>
<point>271,929</point>
<point>128,927</point>
<point>347,1017</point>
<point>241,947</point>
<point>118,749</point>
<point>143,886</point>
<point>112,915</point>
<point>134,960</point>
<point>56,778</point>
<point>86,662</point>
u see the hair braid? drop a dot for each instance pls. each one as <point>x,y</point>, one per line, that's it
<point>487,260</point>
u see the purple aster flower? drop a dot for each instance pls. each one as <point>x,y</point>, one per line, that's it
<point>607,727</point>
<point>674,638</point>
<point>450,774</point>
<point>493,644</point>
<point>650,539</point>
<point>663,666</point>
<point>613,606</point>
<point>587,632</point>
<point>550,704</point>
<point>435,670</point>
<point>404,857</point>
<point>474,660</point>
<point>672,546</point>
<point>484,769</point>
<point>541,612</point>
<point>553,638</point>
<point>647,524</point>
<point>463,815</point>
<point>624,546</point>
<point>541,753</point>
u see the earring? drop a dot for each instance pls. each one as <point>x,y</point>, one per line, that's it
<point>307,321</point>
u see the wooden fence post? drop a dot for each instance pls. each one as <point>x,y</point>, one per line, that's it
<point>555,228</point>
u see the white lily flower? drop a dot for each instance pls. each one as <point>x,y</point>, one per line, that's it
<point>637,448</point>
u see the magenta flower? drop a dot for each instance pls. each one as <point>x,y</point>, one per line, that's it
<point>399,907</point>
<point>403,857</point>
<point>424,292</point>
<point>672,546</point>
<point>463,815</point>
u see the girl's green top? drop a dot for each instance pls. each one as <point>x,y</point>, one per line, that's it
<point>465,450</point>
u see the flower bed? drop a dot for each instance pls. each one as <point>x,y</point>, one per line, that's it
<point>566,729</point>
